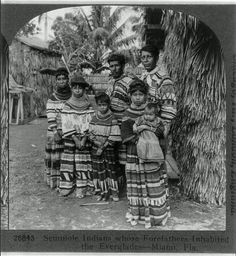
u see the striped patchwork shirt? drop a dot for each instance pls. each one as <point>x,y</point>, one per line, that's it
<point>75,121</point>
<point>118,92</point>
<point>104,129</point>
<point>161,89</point>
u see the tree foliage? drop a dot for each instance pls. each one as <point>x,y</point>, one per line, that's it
<point>82,37</point>
<point>29,29</point>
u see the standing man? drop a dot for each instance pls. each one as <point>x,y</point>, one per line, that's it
<point>120,101</point>
<point>119,85</point>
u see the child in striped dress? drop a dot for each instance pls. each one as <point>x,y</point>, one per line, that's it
<point>76,169</point>
<point>104,132</point>
<point>54,146</point>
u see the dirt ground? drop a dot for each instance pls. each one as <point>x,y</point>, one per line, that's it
<point>33,205</point>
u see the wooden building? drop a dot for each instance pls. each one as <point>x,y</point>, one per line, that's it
<point>26,57</point>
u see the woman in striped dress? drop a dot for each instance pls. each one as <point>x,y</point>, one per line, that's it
<point>76,169</point>
<point>54,145</point>
<point>160,87</point>
<point>104,132</point>
<point>147,190</point>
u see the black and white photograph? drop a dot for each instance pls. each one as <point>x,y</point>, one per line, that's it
<point>115,118</point>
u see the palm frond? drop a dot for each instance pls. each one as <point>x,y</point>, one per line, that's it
<point>110,23</point>
<point>86,19</point>
<point>96,16</point>
<point>119,31</point>
<point>125,41</point>
<point>100,33</point>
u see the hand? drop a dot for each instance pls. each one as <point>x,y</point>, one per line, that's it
<point>166,130</point>
<point>82,144</point>
<point>57,137</point>
<point>77,142</point>
<point>99,151</point>
<point>134,140</point>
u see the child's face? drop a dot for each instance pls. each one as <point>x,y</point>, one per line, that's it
<point>102,107</point>
<point>149,114</point>
<point>61,81</point>
<point>138,98</point>
<point>77,90</point>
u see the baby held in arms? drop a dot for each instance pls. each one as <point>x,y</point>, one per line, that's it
<point>149,128</point>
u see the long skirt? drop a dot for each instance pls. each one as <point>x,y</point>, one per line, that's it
<point>147,191</point>
<point>76,170</point>
<point>121,152</point>
<point>105,171</point>
<point>53,152</point>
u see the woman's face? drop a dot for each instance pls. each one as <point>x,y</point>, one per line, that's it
<point>77,90</point>
<point>148,60</point>
<point>138,98</point>
<point>62,81</point>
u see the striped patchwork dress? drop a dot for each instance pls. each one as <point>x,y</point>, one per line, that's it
<point>53,149</point>
<point>105,129</point>
<point>76,168</point>
<point>147,189</point>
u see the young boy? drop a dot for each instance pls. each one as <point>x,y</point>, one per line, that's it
<point>149,128</point>
<point>104,131</point>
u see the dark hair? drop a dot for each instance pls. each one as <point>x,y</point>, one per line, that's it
<point>62,74</point>
<point>116,57</point>
<point>154,105</point>
<point>78,79</point>
<point>152,49</point>
<point>103,98</point>
<point>61,71</point>
<point>138,85</point>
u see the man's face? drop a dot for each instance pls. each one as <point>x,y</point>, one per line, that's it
<point>148,60</point>
<point>116,69</point>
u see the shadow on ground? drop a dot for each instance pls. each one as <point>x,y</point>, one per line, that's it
<point>32,205</point>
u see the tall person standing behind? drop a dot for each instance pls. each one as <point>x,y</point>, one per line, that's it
<point>54,146</point>
<point>161,87</point>
<point>120,101</point>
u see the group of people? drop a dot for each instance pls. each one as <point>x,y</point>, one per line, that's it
<point>93,150</point>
